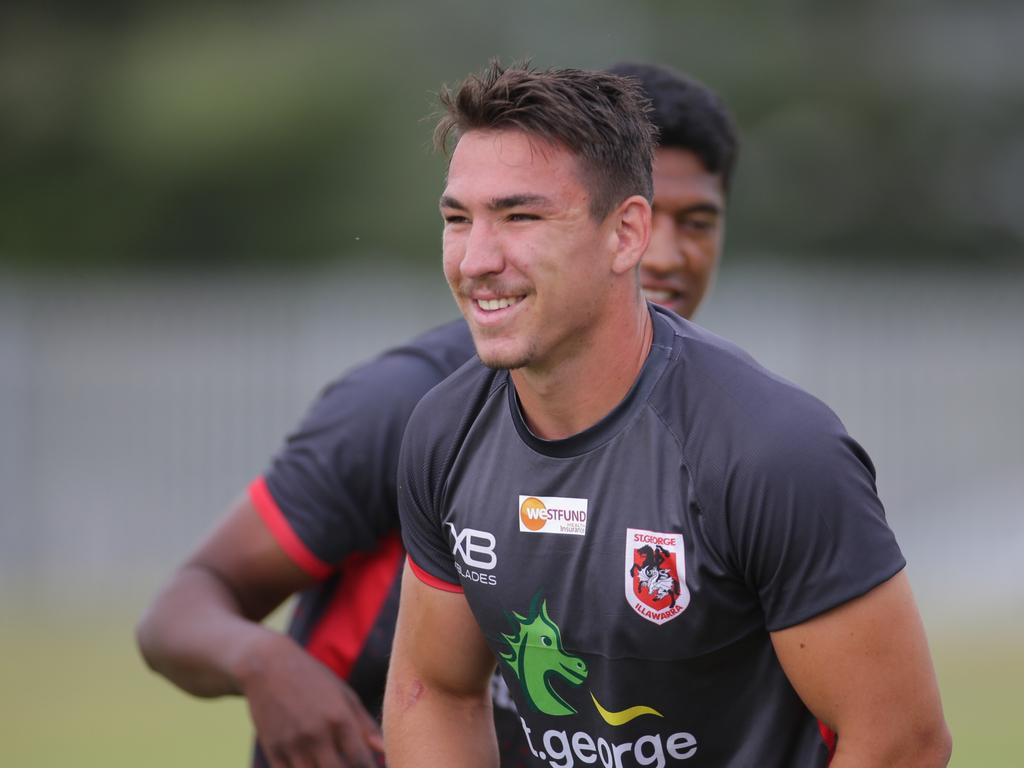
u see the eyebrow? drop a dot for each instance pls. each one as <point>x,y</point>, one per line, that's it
<point>698,208</point>
<point>500,203</point>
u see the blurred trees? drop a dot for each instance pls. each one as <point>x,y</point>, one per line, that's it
<point>153,134</point>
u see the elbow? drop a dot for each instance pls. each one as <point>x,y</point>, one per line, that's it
<point>164,653</point>
<point>926,745</point>
<point>936,745</point>
<point>929,744</point>
<point>147,640</point>
<point>158,633</point>
<point>162,632</point>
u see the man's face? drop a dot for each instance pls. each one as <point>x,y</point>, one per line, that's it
<point>688,228</point>
<point>527,263</point>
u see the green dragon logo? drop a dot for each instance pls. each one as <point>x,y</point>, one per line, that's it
<point>536,655</point>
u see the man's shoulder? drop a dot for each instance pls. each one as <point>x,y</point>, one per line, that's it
<point>378,394</point>
<point>334,478</point>
<point>440,424</point>
<point>464,391</point>
<point>718,387</point>
<point>408,369</point>
<point>445,347</point>
<point>448,410</point>
<point>756,444</point>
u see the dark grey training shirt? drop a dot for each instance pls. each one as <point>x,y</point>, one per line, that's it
<point>628,577</point>
<point>329,499</point>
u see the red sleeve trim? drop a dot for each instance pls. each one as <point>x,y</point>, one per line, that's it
<point>281,530</point>
<point>433,581</point>
<point>341,636</point>
<point>830,738</point>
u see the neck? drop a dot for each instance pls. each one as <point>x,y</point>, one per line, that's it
<point>582,388</point>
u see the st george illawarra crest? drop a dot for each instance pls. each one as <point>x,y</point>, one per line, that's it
<point>656,574</point>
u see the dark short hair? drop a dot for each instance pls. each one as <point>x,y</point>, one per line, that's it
<point>599,117</point>
<point>688,115</point>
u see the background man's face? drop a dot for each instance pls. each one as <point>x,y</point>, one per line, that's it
<point>688,229</point>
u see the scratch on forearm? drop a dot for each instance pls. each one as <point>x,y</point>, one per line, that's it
<point>412,694</point>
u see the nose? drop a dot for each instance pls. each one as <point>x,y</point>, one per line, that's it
<point>663,254</point>
<point>483,254</point>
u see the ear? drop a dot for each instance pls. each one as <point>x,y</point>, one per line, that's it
<point>632,233</point>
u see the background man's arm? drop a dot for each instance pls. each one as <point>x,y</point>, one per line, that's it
<point>437,706</point>
<point>865,670</point>
<point>202,633</point>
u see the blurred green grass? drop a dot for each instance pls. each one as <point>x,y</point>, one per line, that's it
<point>74,692</point>
<point>981,672</point>
<point>77,694</point>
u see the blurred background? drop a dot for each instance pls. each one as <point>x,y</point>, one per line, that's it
<point>209,210</point>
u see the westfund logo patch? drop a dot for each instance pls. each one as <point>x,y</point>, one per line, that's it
<point>552,514</point>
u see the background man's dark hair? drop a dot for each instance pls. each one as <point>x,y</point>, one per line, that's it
<point>688,115</point>
<point>598,116</point>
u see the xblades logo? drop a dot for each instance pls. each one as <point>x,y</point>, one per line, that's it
<point>475,549</point>
<point>471,543</point>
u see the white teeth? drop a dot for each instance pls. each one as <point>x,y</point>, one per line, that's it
<point>656,295</point>
<point>492,304</point>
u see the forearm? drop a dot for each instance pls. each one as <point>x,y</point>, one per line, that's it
<point>195,635</point>
<point>437,705</point>
<point>428,728</point>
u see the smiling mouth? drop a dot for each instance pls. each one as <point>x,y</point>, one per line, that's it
<point>661,296</point>
<point>491,305</point>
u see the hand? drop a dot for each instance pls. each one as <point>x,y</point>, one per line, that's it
<point>305,716</point>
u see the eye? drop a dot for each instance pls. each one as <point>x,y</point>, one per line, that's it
<point>697,224</point>
<point>454,218</point>
<point>523,217</point>
<point>545,640</point>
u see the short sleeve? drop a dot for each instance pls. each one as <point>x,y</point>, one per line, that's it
<point>807,528</point>
<point>421,466</point>
<point>333,481</point>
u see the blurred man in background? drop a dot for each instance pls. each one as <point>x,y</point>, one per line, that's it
<point>322,521</point>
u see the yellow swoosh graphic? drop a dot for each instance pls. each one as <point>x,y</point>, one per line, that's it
<point>623,717</point>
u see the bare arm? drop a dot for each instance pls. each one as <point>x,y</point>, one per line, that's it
<point>437,707</point>
<point>864,669</point>
<point>202,633</point>
<point>199,630</point>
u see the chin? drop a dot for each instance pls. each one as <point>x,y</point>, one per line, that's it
<point>503,362</point>
<point>500,357</point>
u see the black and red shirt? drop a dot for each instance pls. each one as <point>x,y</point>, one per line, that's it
<point>330,500</point>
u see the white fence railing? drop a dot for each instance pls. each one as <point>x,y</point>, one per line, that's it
<point>131,410</point>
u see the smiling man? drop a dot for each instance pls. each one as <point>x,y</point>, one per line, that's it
<point>674,556</point>
<point>322,519</point>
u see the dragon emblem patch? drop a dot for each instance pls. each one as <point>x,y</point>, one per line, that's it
<point>537,659</point>
<point>540,664</point>
<point>656,574</point>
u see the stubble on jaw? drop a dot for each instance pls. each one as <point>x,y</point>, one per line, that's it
<point>498,363</point>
